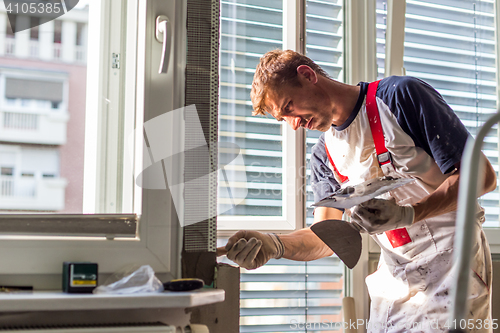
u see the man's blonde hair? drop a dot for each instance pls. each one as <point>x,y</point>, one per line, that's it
<point>276,69</point>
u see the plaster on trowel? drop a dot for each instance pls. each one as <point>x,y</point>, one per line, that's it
<point>343,237</point>
<point>351,196</point>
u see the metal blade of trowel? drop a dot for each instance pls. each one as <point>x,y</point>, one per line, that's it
<point>342,237</point>
<point>351,196</point>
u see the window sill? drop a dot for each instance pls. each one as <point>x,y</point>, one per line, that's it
<point>59,301</point>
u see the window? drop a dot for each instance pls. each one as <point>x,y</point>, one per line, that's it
<point>80,34</point>
<point>7,171</point>
<point>451,45</point>
<point>11,25</point>
<point>24,185</point>
<point>325,46</point>
<point>57,31</point>
<point>282,295</point>
<point>73,117</point>
<point>34,22</point>
<point>248,30</point>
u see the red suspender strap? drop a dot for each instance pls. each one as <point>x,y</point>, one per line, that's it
<point>383,156</point>
<point>397,237</point>
<point>342,178</point>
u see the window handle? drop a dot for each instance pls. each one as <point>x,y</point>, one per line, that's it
<point>163,35</point>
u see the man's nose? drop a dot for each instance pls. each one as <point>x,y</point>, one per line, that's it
<point>294,122</point>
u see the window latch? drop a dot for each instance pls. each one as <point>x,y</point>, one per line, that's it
<point>164,36</point>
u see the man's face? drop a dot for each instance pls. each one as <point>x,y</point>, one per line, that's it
<point>306,106</point>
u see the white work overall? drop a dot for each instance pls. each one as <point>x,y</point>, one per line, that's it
<point>410,291</point>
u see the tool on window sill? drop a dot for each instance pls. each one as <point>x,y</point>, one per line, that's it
<point>79,277</point>
<point>184,284</point>
<point>16,289</point>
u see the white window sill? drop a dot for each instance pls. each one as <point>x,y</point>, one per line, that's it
<point>59,301</point>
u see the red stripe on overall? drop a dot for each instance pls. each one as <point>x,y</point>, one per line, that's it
<point>397,237</point>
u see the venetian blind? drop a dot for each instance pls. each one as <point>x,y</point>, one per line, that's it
<point>283,295</point>
<point>450,44</point>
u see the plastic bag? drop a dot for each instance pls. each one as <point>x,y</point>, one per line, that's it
<point>140,280</point>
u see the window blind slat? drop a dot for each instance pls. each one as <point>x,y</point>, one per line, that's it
<point>290,311</point>
<point>294,294</point>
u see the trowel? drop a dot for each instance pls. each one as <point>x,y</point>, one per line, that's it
<point>351,196</point>
<point>343,237</point>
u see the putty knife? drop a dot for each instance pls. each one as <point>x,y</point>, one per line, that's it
<point>342,237</point>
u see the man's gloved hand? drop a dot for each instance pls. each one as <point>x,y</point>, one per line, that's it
<point>378,215</point>
<point>252,249</point>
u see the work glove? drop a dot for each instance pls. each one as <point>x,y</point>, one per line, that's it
<point>252,249</point>
<point>376,216</point>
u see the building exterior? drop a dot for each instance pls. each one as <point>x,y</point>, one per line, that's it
<point>42,113</point>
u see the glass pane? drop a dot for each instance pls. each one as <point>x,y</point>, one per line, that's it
<point>325,45</point>
<point>451,45</point>
<point>249,28</point>
<point>43,81</point>
<point>42,112</point>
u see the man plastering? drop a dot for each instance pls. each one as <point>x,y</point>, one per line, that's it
<point>420,138</point>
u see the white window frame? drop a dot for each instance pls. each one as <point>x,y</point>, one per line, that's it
<point>294,151</point>
<point>360,65</point>
<point>395,38</point>
<point>106,98</point>
<point>493,234</point>
<point>37,260</point>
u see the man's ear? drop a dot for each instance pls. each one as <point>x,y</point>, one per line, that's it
<point>308,73</point>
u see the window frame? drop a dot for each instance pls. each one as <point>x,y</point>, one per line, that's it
<point>38,259</point>
<point>360,65</point>
<point>294,151</point>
